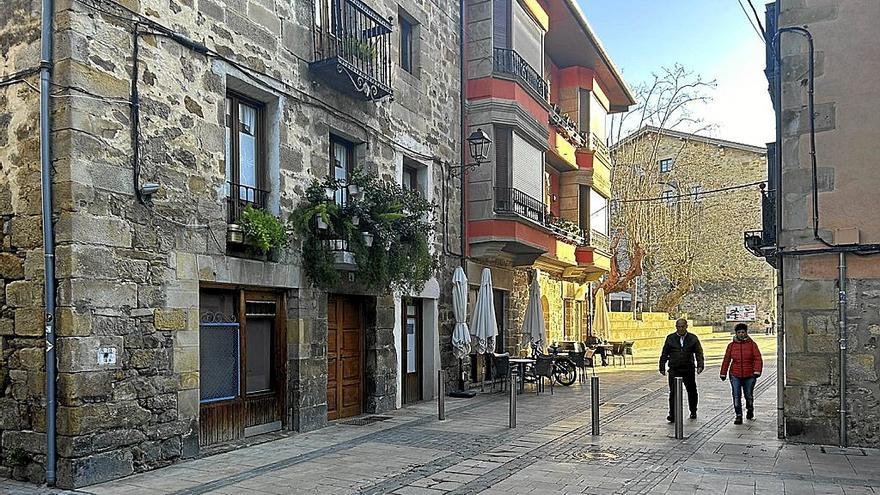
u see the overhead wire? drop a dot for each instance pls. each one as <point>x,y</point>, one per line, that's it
<point>18,77</point>
<point>749,17</point>
<point>758,19</point>
<point>690,194</point>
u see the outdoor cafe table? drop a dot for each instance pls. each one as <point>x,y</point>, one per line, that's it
<point>606,348</point>
<point>521,366</point>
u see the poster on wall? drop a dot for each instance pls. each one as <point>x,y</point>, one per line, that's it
<point>740,312</point>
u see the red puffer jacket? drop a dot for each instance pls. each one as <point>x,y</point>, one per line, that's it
<point>742,358</point>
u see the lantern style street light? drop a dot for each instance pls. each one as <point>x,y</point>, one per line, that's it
<point>479,145</point>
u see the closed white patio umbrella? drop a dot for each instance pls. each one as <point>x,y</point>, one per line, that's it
<point>533,323</point>
<point>483,325</point>
<point>461,337</point>
<point>601,319</point>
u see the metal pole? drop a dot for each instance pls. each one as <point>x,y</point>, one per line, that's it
<point>594,398</point>
<point>679,416</point>
<point>841,311</point>
<point>48,239</point>
<point>441,395</point>
<point>512,388</point>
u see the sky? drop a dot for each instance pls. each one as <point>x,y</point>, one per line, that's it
<point>709,37</point>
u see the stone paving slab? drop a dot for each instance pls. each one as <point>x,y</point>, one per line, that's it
<point>551,451</point>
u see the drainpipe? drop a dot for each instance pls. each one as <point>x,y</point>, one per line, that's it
<point>462,102</point>
<point>841,314</point>
<point>48,240</point>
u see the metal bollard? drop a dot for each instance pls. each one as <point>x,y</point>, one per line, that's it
<point>594,409</point>
<point>441,395</point>
<point>679,416</point>
<point>512,422</point>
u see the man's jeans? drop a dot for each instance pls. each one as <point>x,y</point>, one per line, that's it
<point>740,387</point>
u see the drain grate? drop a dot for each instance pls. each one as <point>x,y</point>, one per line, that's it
<point>368,420</point>
<point>843,451</point>
<point>591,455</point>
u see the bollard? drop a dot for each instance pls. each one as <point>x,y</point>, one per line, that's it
<point>441,395</point>
<point>679,416</point>
<point>512,421</point>
<point>594,397</point>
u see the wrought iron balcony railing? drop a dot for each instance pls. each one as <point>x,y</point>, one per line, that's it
<point>511,63</point>
<point>510,200</point>
<point>239,196</point>
<point>353,48</point>
<point>599,148</point>
<point>599,241</point>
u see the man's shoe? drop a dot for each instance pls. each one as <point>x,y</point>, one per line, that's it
<point>750,414</point>
<point>738,420</point>
<point>670,418</point>
<point>693,414</point>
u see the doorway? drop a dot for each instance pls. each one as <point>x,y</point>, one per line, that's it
<point>345,343</point>
<point>412,355</point>
<point>241,363</point>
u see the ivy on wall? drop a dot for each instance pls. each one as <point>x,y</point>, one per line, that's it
<point>384,227</point>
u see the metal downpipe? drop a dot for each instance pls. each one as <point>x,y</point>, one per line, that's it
<point>780,260</point>
<point>48,238</point>
<point>841,313</point>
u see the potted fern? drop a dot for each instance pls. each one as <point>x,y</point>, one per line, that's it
<point>262,230</point>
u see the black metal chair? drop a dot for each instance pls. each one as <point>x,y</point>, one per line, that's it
<point>628,351</point>
<point>580,362</point>
<point>500,369</point>
<point>617,351</point>
<point>543,369</point>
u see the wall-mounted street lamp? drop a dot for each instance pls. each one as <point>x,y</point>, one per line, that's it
<point>479,145</point>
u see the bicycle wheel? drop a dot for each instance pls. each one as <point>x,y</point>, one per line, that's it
<point>565,374</point>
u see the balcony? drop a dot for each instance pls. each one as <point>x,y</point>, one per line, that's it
<point>516,202</point>
<point>566,127</point>
<point>353,49</point>
<point>599,148</point>
<point>508,62</point>
<point>239,196</point>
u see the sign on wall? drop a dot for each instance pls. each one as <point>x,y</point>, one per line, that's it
<point>740,312</point>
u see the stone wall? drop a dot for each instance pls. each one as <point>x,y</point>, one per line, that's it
<point>722,271</point>
<point>847,123</point>
<point>22,369</point>
<point>128,273</point>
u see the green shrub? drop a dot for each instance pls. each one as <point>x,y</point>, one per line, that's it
<point>262,228</point>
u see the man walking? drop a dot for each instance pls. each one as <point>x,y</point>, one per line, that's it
<point>684,354</point>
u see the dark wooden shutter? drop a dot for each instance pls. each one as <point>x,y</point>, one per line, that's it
<point>502,157</point>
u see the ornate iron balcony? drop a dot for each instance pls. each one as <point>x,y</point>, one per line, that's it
<point>510,200</point>
<point>566,127</point>
<point>352,48</point>
<point>511,63</point>
<point>239,196</point>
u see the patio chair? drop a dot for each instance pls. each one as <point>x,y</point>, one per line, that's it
<point>500,369</point>
<point>617,351</point>
<point>628,351</point>
<point>543,369</point>
<point>580,362</point>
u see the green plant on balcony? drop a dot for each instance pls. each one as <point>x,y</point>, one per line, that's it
<point>262,229</point>
<point>389,238</point>
<point>358,48</point>
<point>566,229</point>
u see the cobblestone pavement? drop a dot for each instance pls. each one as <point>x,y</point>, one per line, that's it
<point>551,451</point>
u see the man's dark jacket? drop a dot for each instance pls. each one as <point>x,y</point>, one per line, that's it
<point>681,358</point>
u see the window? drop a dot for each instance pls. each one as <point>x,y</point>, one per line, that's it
<point>696,193</point>
<point>666,165</point>
<point>342,164</point>
<point>245,155</point>
<point>408,43</point>
<point>501,23</point>
<point>410,180</point>
<point>668,196</point>
<point>598,212</point>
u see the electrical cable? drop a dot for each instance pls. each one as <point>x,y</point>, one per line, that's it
<point>690,194</point>
<point>758,19</point>
<point>17,77</point>
<point>749,17</point>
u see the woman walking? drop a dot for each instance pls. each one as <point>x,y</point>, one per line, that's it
<point>743,360</point>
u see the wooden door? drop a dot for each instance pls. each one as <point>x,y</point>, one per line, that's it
<point>411,351</point>
<point>344,357</point>
<point>263,361</point>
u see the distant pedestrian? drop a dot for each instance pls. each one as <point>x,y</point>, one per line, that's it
<point>768,327</point>
<point>684,354</point>
<point>743,360</point>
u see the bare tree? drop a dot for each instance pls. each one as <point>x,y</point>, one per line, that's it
<point>660,234</point>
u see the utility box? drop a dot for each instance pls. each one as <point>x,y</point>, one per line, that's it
<point>847,236</point>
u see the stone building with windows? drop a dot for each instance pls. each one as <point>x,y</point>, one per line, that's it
<point>168,120</point>
<point>821,229</point>
<point>700,228</point>
<point>542,86</point>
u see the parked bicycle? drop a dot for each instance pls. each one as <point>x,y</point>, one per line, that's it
<point>564,369</point>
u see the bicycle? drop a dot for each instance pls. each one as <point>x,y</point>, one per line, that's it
<point>564,369</point>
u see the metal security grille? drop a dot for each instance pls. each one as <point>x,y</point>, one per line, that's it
<point>365,421</point>
<point>219,361</point>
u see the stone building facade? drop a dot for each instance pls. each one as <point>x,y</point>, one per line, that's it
<point>711,225</point>
<point>825,316</point>
<point>542,86</point>
<point>145,288</point>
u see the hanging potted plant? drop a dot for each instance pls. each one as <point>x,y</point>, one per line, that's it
<point>262,229</point>
<point>367,238</point>
<point>234,234</point>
